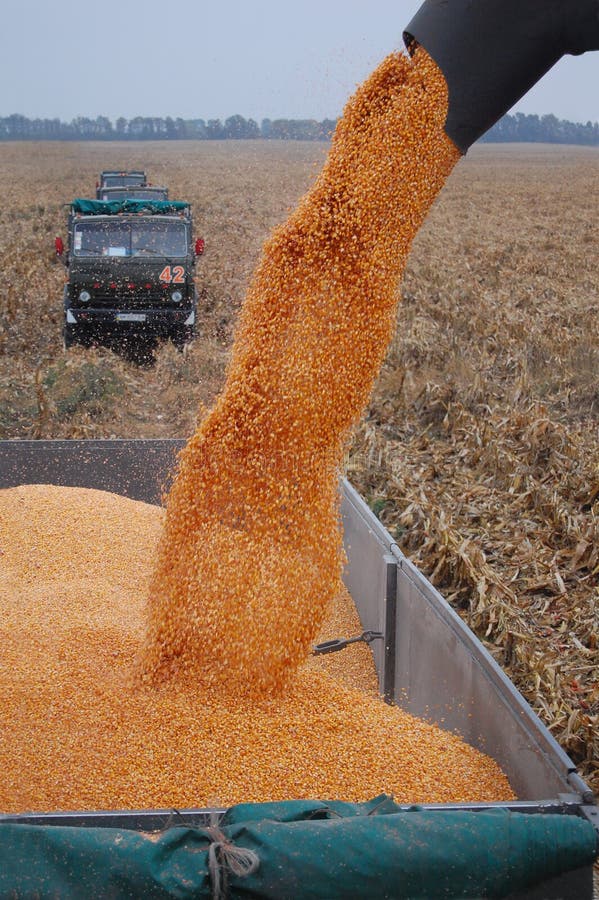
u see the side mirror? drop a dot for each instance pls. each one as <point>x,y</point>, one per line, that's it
<point>59,246</point>
<point>199,246</point>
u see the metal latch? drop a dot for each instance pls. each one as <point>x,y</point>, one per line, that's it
<point>341,643</point>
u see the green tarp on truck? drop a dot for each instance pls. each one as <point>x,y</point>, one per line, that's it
<point>114,207</point>
<point>300,849</point>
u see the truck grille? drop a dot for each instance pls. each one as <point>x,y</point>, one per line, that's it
<point>123,297</point>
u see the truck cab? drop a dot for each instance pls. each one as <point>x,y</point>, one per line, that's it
<point>130,268</point>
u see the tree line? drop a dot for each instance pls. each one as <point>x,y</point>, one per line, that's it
<point>546,129</point>
<point>153,128</point>
<point>519,127</point>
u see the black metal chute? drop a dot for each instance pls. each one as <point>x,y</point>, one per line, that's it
<point>491,52</point>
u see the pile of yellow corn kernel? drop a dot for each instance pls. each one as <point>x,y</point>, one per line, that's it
<point>251,553</point>
<point>79,731</point>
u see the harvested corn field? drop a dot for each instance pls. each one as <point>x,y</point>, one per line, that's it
<point>70,633</point>
<point>492,379</point>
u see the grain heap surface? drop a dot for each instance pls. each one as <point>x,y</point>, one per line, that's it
<point>251,552</point>
<point>79,731</point>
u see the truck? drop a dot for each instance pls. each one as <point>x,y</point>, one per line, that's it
<point>116,178</point>
<point>130,267</point>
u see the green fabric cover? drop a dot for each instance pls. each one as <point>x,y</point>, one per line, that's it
<point>112,207</point>
<point>363,851</point>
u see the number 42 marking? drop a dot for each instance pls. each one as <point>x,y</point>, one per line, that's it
<point>173,275</point>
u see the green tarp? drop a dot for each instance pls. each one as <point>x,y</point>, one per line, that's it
<point>113,207</point>
<point>302,849</point>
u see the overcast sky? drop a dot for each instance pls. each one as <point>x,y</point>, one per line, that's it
<point>198,59</point>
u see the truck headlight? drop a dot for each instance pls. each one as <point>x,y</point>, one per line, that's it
<point>176,296</point>
<point>84,296</point>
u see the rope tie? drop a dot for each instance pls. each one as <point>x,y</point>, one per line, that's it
<point>225,858</point>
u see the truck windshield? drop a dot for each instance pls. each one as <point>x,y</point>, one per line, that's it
<point>117,238</point>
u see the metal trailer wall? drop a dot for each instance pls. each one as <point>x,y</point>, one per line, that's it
<point>435,667</point>
<point>429,661</point>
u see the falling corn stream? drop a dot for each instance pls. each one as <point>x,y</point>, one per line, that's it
<point>251,553</point>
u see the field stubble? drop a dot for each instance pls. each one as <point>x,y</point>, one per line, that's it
<point>479,449</point>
